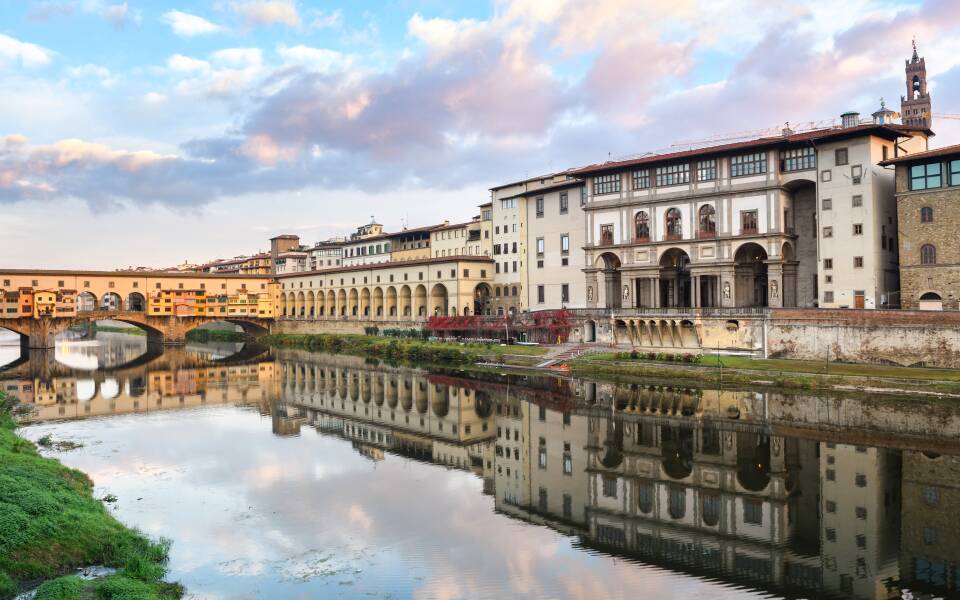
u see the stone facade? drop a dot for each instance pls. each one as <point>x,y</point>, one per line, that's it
<point>929,218</point>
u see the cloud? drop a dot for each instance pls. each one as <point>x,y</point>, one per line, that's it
<point>268,12</point>
<point>13,51</point>
<point>119,15</point>
<point>187,25</point>
<point>185,64</point>
<point>238,57</point>
<point>41,12</point>
<point>317,59</point>
<point>154,98</point>
<point>326,20</point>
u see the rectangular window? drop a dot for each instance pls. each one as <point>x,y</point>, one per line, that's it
<point>508,203</point>
<point>857,262</point>
<point>954,167</point>
<point>826,176</point>
<point>564,292</point>
<point>840,156</point>
<point>606,234</point>
<point>606,184</point>
<point>673,174</point>
<point>541,294</point>
<point>827,204</point>
<point>858,229</point>
<point>707,170</point>
<point>924,177</point>
<point>540,206</point>
<point>748,222</point>
<point>828,263</point>
<point>856,174</point>
<point>753,512</point>
<point>564,243</point>
<point>857,201</point>
<point>567,506</point>
<point>641,179</point>
<point>564,203</point>
<point>797,159</point>
<point>609,487</point>
<point>828,232</point>
<point>540,246</point>
<point>748,164</point>
<point>583,197</point>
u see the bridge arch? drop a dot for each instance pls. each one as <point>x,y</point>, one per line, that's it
<point>111,302</point>
<point>136,302</point>
<point>86,302</point>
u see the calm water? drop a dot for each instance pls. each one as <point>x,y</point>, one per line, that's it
<point>298,475</point>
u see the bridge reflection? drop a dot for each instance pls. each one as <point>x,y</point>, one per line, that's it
<point>840,497</point>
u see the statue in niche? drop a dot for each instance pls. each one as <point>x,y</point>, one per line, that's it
<point>589,293</point>
<point>726,290</point>
<point>626,292</point>
<point>773,288</point>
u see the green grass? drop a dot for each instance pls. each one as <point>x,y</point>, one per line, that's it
<point>399,349</point>
<point>50,524</point>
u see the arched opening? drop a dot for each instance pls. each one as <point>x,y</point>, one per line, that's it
<point>283,305</point>
<point>677,451</point>
<point>378,302</point>
<point>677,502</point>
<point>753,461</point>
<point>481,300</point>
<point>707,222</point>
<point>610,264</point>
<point>301,301</point>
<point>321,308</point>
<point>928,254</point>
<point>86,302</point>
<point>439,301</point>
<point>915,87</point>
<point>405,304</point>
<point>12,347</point>
<point>136,302</point>
<point>331,304</point>
<point>711,509</point>
<point>675,278</point>
<point>342,303</point>
<point>590,331</point>
<point>931,301</point>
<point>365,302</point>
<point>110,302</point>
<point>750,272</point>
<point>393,303</point>
<point>420,300</point>
<point>353,302</point>
<point>311,306</point>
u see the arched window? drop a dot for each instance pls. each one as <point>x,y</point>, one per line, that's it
<point>708,221</point>
<point>641,227</point>
<point>674,224</point>
<point>926,214</point>
<point>928,254</point>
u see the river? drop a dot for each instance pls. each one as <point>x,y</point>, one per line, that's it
<point>286,474</point>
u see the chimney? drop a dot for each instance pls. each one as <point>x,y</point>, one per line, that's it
<point>851,118</point>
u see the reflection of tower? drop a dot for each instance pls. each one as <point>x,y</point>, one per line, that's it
<point>915,106</point>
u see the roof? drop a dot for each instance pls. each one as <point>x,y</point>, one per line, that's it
<point>455,226</point>
<point>529,179</point>
<point>945,151</point>
<point>415,230</point>
<point>286,236</point>
<point>389,265</point>
<point>552,188</point>
<point>891,132</point>
<point>128,274</point>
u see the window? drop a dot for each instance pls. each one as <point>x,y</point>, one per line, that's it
<point>861,512</point>
<point>928,254</point>
<point>860,480</point>
<point>711,509</point>
<point>641,179</point>
<point>831,534</point>
<point>564,292</point>
<point>826,176</point>
<point>567,463</point>
<point>797,159</point>
<point>564,243</point>
<point>564,203</point>
<point>828,263</point>
<point>748,164</point>
<point>641,225</point>
<point>753,512</point>
<point>857,201</point>
<point>841,156</point>
<point>673,174</point>
<point>540,206</point>
<point>926,214</point>
<point>827,232</point>
<point>606,184</point>
<point>583,197</point>
<point>929,535</point>
<point>606,234</point>
<point>923,177</point>
<point>858,229</point>
<point>540,246</point>
<point>541,294</point>
<point>645,497</point>
<point>508,203</point>
<point>857,262</point>
<point>827,204</point>
<point>708,221</point>
<point>674,224</point>
<point>830,506</point>
<point>856,173</point>
<point>831,475</point>
<point>954,167</point>
<point>707,170</point>
<point>567,506</point>
<point>748,222</point>
<point>609,487</point>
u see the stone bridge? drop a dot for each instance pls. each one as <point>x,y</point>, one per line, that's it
<point>40,333</point>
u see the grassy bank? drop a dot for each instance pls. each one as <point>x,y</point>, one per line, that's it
<point>396,349</point>
<point>50,524</point>
<point>216,335</point>
<point>797,374</point>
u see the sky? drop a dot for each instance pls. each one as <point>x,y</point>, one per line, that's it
<point>148,133</point>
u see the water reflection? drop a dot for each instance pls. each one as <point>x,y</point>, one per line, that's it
<point>716,493</point>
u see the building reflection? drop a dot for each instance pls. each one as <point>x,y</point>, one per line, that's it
<point>792,495</point>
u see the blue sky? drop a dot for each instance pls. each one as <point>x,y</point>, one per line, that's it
<point>195,130</point>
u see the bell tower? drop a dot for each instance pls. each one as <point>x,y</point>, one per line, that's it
<point>915,110</point>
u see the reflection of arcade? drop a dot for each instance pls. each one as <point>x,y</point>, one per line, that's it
<point>147,388</point>
<point>436,419</point>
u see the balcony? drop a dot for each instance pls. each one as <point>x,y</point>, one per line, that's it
<point>672,237</point>
<point>706,235</point>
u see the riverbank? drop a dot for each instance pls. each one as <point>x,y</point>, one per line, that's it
<point>400,349</point>
<point>97,328</point>
<point>789,374</point>
<point>216,335</point>
<point>51,525</point>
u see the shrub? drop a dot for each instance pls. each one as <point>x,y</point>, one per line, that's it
<point>63,588</point>
<point>634,355</point>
